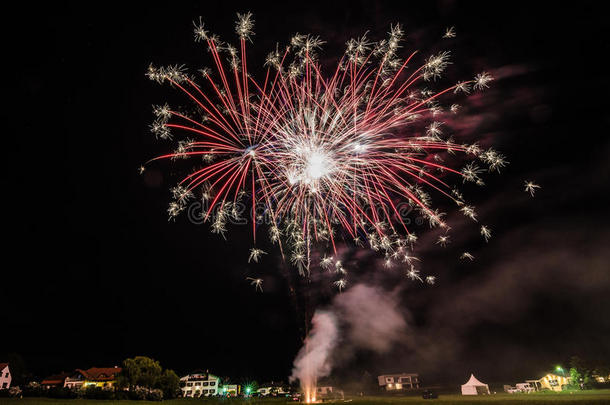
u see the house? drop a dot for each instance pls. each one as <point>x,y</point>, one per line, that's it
<point>554,382</point>
<point>535,384</point>
<point>231,390</point>
<point>102,377</point>
<point>328,392</point>
<point>399,382</point>
<point>200,385</point>
<point>525,387</point>
<point>55,381</point>
<point>5,376</point>
<point>75,380</point>
<point>273,389</point>
<point>475,387</point>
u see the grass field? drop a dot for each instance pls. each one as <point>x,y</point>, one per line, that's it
<point>564,398</point>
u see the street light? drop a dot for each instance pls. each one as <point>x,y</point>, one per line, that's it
<point>560,370</point>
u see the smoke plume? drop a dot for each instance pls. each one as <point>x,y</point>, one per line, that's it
<point>313,360</point>
<point>362,318</point>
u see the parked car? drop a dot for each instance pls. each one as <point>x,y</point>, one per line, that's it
<point>427,394</point>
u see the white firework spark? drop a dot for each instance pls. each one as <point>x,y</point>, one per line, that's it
<point>530,187</point>
<point>469,211</point>
<point>481,81</point>
<point>449,33</point>
<point>413,274</point>
<point>443,240</point>
<point>467,255</point>
<point>485,232</point>
<point>256,282</point>
<point>326,262</point>
<point>255,254</point>
<point>340,284</point>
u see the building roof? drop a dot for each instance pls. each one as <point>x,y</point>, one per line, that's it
<point>473,381</point>
<point>55,379</point>
<point>3,366</point>
<point>199,377</point>
<point>273,384</point>
<point>554,375</point>
<point>100,373</point>
<point>381,379</point>
<point>399,375</point>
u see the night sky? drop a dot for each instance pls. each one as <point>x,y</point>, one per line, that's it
<point>93,272</point>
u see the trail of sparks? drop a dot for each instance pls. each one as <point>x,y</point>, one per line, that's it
<point>321,155</point>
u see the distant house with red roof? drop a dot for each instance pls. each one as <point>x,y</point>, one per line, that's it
<point>75,380</point>
<point>5,376</point>
<point>103,377</point>
<point>55,381</point>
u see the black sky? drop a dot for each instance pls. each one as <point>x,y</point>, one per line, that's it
<point>93,271</point>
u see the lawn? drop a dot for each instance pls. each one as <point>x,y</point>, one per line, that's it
<point>579,397</point>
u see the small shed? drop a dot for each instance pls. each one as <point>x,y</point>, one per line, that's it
<point>475,387</point>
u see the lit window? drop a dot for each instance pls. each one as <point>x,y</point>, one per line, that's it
<point>212,383</point>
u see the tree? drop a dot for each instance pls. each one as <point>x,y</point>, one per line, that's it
<point>580,373</point>
<point>140,371</point>
<point>144,372</point>
<point>169,383</point>
<point>575,378</point>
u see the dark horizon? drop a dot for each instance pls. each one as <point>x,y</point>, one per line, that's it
<point>95,273</point>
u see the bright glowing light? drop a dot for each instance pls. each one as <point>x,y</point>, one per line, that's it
<point>308,165</point>
<point>318,165</point>
<point>359,148</point>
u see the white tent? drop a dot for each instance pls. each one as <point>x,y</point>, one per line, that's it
<point>474,387</point>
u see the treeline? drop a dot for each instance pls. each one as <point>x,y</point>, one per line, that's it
<point>34,389</point>
<point>582,373</point>
<point>141,378</point>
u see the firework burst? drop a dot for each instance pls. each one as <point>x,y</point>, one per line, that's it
<point>325,156</point>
